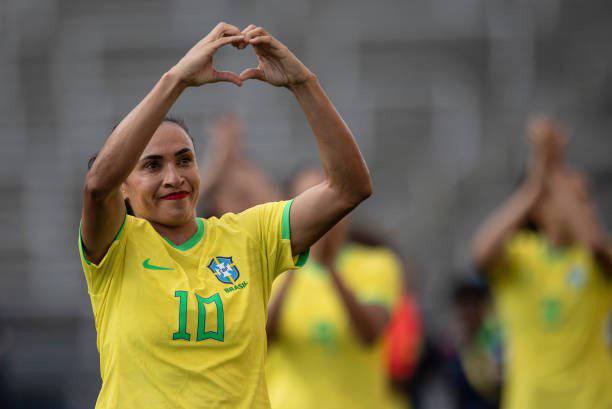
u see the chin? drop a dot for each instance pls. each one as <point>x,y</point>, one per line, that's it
<point>178,216</point>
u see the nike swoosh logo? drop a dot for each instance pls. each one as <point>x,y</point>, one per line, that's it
<point>146,264</point>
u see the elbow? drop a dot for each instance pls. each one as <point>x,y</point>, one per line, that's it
<point>358,193</point>
<point>366,190</point>
<point>94,190</point>
<point>478,256</point>
<point>369,337</point>
<point>482,258</point>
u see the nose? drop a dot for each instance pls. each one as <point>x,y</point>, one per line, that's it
<point>172,177</point>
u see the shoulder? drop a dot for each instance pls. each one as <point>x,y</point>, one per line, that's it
<point>524,247</point>
<point>136,227</point>
<point>262,216</point>
<point>233,224</point>
<point>524,242</point>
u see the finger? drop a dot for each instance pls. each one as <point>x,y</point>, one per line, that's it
<point>248,28</point>
<point>255,32</point>
<point>227,40</point>
<point>252,74</point>
<point>222,30</point>
<point>226,76</point>
<point>265,40</point>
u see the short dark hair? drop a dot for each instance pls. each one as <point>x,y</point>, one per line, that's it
<point>170,118</point>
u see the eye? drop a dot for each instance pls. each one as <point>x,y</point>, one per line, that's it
<point>152,165</point>
<point>185,161</point>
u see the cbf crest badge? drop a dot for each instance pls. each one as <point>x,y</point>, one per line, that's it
<point>224,269</point>
<point>576,277</point>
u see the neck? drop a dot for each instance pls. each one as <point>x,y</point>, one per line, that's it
<point>556,236</point>
<point>177,234</point>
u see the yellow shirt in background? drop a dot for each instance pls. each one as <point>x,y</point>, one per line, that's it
<point>317,360</point>
<point>553,305</point>
<point>184,326</point>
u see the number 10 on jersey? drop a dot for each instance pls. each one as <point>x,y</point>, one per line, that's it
<point>202,335</point>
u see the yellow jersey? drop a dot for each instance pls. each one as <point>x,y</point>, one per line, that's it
<point>317,360</point>
<point>183,326</point>
<point>554,306</point>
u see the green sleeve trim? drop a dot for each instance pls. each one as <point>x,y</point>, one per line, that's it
<point>81,239</point>
<point>286,234</point>
<point>286,227</point>
<point>302,258</point>
<point>193,240</point>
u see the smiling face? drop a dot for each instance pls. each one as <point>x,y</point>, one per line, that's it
<point>165,184</point>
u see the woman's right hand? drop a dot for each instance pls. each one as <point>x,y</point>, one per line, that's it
<point>196,67</point>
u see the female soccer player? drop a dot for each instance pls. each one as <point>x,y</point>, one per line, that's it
<point>180,302</point>
<point>326,322</point>
<point>552,285</point>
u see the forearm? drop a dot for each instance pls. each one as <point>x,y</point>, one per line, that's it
<point>491,237</point>
<point>367,324</point>
<point>589,232</point>
<point>128,140</point>
<point>343,164</point>
<point>215,165</point>
<point>587,229</point>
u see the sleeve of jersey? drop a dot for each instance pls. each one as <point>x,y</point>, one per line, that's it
<point>380,282</point>
<point>271,222</point>
<point>98,275</point>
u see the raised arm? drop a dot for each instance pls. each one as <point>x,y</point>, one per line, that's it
<point>225,143</point>
<point>347,181</point>
<point>103,207</point>
<point>489,241</point>
<point>573,195</point>
<point>490,238</point>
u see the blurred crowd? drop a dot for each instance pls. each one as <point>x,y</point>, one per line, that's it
<point>530,324</point>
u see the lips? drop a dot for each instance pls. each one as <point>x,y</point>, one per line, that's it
<point>176,196</point>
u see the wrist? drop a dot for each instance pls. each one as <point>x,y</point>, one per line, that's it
<point>306,85</point>
<point>174,80</point>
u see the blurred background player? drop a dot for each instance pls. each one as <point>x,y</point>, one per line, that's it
<point>473,367</point>
<point>231,182</point>
<point>545,255</point>
<point>325,324</point>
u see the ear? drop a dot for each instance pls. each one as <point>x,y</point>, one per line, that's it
<point>123,190</point>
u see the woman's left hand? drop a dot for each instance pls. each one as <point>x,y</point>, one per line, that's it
<point>277,65</point>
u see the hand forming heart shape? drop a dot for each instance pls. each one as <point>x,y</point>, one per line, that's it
<point>277,65</point>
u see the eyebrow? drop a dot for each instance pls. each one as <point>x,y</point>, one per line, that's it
<point>158,157</point>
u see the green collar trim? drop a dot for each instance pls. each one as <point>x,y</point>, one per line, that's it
<point>195,239</point>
